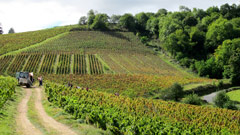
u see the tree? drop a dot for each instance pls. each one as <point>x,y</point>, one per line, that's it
<point>213,9</point>
<point>234,67</point>
<point>199,13</point>
<point>82,20</point>
<point>91,16</point>
<point>173,93</point>
<point>141,19</point>
<point>219,31</point>
<point>1,31</point>
<point>11,30</point>
<point>221,99</point>
<point>193,99</point>
<point>184,9</point>
<point>152,26</point>
<point>161,12</point>
<point>115,19</point>
<point>100,22</point>
<point>127,21</point>
<point>190,21</point>
<point>225,51</point>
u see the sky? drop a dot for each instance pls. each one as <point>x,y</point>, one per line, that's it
<point>29,15</point>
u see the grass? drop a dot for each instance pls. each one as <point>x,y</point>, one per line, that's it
<point>9,112</point>
<point>234,95</point>
<point>195,85</point>
<point>79,126</point>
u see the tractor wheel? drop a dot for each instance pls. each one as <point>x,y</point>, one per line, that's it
<point>28,85</point>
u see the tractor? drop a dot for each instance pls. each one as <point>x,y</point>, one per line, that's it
<point>25,78</point>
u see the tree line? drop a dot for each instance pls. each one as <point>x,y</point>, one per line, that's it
<point>206,41</point>
<point>11,30</point>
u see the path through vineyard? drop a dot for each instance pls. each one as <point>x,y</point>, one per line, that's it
<point>25,127</point>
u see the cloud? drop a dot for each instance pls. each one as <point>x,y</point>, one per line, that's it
<point>27,15</point>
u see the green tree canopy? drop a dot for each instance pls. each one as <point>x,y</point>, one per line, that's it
<point>100,22</point>
<point>82,20</point>
<point>219,31</point>
<point>127,21</point>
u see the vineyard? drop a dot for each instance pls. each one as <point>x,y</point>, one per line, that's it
<point>33,63</point>
<point>7,89</point>
<point>12,42</point>
<point>122,115</point>
<point>79,64</point>
<point>17,64</point>
<point>64,64</point>
<point>47,66</point>
<point>95,65</point>
<point>131,85</point>
<point>4,63</point>
<point>92,41</point>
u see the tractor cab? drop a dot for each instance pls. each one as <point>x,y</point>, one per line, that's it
<point>25,78</point>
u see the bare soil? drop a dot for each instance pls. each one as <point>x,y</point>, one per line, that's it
<point>24,126</point>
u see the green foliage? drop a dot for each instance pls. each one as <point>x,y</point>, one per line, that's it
<point>193,99</point>
<point>235,68</point>
<point>172,93</point>
<point>190,21</point>
<point>7,89</point>
<point>219,31</point>
<point>115,19</point>
<point>127,21</point>
<point>209,68</point>
<point>100,22</point>
<point>91,17</point>
<point>152,25</point>
<point>144,39</point>
<point>122,115</point>
<point>82,20</point>
<point>222,100</point>
<point>141,21</point>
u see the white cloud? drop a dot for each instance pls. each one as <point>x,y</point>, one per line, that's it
<point>27,15</point>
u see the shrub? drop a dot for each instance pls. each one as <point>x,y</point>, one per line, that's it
<point>230,105</point>
<point>221,99</point>
<point>172,93</point>
<point>193,99</point>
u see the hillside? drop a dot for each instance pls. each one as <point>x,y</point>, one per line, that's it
<point>106,61</point>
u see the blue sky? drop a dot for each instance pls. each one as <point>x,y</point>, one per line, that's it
<point>28,15</point>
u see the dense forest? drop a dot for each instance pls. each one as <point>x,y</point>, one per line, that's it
<point>206,41</point>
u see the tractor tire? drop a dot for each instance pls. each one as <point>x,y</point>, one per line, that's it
<point>28,85</point>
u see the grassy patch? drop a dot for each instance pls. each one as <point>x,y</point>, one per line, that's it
<point>78,125</point>
<point>9,112</point>
<point>194,85</point>
<point>234,95</point>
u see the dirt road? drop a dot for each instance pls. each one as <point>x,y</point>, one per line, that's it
<point>49,122</point>
<point>25,127</point>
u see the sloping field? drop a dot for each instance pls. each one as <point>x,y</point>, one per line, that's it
<point>12,42</point>
<point>92,42</point>
<point>109,61</point>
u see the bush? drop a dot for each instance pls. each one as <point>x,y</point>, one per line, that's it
<point>221,99</point>
<point>172,93</point>
<point>193,99</point>
<point>230,105</point>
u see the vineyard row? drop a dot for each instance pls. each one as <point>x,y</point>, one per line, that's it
<point>51,63</point>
